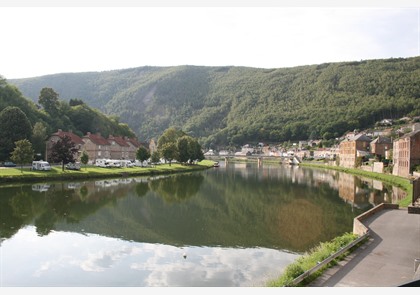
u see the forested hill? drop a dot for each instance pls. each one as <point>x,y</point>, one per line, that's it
<point>236,105</point>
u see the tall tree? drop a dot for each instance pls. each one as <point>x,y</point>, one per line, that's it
<point>14,126</point>
<point>169,152</point>
<point>48,99</point>
<point>155,157</point>
<point>142,154</point>
<point>23,153</point>
<point>170,135</point>
<point>195,151</point>
<point>182,145</point>
<point>39,136</point>
<point>64,151</point>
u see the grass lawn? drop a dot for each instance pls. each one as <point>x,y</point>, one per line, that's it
<point>17,174</point>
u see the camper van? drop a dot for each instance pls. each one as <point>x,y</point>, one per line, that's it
<point>41,165</point>
<point>107,163</point>
<point>126,163</point>
<point>101,163</point>
<point>114,163</point>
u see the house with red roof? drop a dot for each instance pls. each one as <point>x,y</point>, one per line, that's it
<point>119,148</point>
<point>134,145</point>
<point>96,146</point>
<point>77,140</point>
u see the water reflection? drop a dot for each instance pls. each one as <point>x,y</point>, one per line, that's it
<point>236,223</point>
<point>107,262</point>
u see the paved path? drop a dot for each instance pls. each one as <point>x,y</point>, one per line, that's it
<point>386,259</point>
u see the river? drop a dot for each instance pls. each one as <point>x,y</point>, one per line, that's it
<point>237,225</point>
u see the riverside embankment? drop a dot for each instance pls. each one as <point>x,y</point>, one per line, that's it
<point>389,258</point>
<point>24,175</point>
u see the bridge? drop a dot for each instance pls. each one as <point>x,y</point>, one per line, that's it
<point>292,160</point>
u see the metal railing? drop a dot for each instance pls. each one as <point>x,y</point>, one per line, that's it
<point>328,260</point>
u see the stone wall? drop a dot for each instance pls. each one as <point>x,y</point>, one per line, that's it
<point>359,228</point>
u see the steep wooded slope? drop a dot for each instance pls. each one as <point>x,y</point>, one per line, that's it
<point>236,105</point>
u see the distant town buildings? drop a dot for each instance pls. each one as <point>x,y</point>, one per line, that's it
<point>372,150</point>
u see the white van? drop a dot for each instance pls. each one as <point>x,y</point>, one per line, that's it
<point>41,165</point>
<point>113,163</point>
<point>126,163</point>
<point>101,163</point>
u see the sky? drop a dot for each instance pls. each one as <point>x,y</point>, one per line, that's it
<point>49,39</point>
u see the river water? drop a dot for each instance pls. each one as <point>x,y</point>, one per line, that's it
<point>237,225</point>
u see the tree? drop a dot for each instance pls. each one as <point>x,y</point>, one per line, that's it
<point>189,149</point>
<point>155,157</point>
<point>195,150</point>
<point>169,135</point>
<point>169,152</point>
<point>22,153</point>
<point>182,145</point>
<point>84,158</point>
<point>64,151</point>
<point>75,102</point>
<point>39,135</point>
<point>142,154</point>
<point>48,99</point>
<point>14,126</point>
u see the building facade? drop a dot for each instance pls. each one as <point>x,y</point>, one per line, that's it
<point>55,137</point>
<point>98,147</point>
<point>353,147</point>
<point>406,154</point>
<point>380,146</point>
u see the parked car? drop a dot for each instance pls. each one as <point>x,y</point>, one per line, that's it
<point>9,164</point>
<point>73,166</point>
<point>41,165</point>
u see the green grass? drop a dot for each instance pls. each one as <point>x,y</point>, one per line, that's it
<point>86,172</point>
<point>311,259</point>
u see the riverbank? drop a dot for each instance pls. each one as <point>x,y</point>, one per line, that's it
<point>401,182</point>
<point>323,250</point>
<point>18,175</point>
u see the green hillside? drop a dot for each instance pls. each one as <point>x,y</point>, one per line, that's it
<point>235,105</point>
<point>17,113</point>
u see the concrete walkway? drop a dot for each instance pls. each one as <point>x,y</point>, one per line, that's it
<point>386,259</point>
